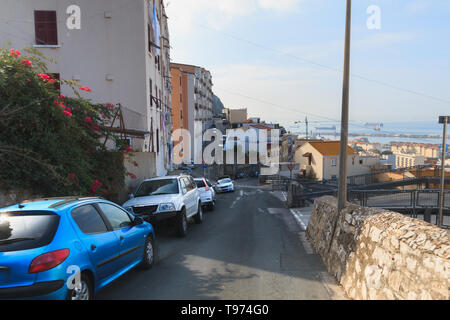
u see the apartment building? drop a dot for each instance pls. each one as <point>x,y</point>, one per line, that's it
<point>118,49</point>
<point>235,116</point>
<point>192,98</point>
<point>415,149</point>
<point>405,160</point>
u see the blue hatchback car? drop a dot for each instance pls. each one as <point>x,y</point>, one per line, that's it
<point>69,248</point>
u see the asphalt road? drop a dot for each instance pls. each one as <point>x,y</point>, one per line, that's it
<point>249,247</point>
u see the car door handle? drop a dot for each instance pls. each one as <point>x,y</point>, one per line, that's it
<point>93,247</point>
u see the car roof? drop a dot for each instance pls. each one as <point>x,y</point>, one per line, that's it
<point>49,204</point>
<point>164,178</point>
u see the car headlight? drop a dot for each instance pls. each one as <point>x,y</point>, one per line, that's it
<point>166,207</point>
<point>129,209</point>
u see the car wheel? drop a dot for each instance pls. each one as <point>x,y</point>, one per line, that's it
<point>198,218</point>
<point>212,205</point>
<point>148,258</point>
<point>83,291</point>
<point>182,224</point>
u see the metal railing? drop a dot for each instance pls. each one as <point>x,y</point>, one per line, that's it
<point>373,177</point>
<point>417,203</point>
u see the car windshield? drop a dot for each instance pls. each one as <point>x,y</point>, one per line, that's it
<point>224,181</point>
<point>200,183</point>
<point>26,230</point>
<point>157,187</point>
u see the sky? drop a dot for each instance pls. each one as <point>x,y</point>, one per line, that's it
<point>282,59</point>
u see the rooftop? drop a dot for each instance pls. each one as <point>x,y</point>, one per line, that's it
<point>329,148</point>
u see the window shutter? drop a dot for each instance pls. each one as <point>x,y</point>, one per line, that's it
<point>46,30</point>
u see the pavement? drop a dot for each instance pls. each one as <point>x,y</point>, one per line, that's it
<point>250,247</point>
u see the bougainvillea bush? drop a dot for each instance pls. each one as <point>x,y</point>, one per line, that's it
<point>50,144</point>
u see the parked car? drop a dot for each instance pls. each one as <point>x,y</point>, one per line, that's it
<point>225,185</point>
<point>46,244</point>
<point>171,197</point>
<point>207,193</point>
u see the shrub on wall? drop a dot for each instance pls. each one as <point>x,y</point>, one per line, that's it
<point>51,144</point>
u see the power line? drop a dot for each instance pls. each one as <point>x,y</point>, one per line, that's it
<point>323,66</point>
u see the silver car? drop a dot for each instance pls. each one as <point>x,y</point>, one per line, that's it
<point>173,197</point>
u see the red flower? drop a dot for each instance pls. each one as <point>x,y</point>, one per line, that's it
<point>28,80</point>
<point>109,106</point>
<point>44,77</point>
<point>14,53</point>
<point>26,62</point>
<point>132,175</point>
<point>96,128</point>
<point>128,149</point>
<point>62,97</point>
<point>68,113</point>
<point>87,89</point>
<point>88,120</point>
<point>135,164</point>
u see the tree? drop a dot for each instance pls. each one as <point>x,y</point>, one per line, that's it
<point>51,144</point>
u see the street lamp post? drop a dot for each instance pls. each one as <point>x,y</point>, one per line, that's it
<point>342,191</point>
<point>444,120</point>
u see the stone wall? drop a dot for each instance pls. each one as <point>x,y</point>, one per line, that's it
<point>8,198</point>
<point>378,254</point>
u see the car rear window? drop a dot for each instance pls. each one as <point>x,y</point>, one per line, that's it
<point>200,183</point>
<point>26,230</point>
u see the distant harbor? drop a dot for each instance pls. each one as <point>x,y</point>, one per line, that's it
<point>385,135</point>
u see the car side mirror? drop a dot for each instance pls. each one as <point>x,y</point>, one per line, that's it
<point>138,221</point>
<point>131,196</point>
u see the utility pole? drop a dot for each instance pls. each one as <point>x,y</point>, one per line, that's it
<point>342,191</point>
<point>444,120</point>
<point>306,121</point>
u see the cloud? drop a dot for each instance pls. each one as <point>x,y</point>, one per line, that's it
<point>417,6</point>
<point>218,13</point>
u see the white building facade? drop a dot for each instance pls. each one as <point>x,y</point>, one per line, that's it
<point>119,49</point>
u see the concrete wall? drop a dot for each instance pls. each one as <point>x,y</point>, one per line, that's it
<point>377,254</point>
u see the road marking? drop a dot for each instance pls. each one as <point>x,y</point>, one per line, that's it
<point>297,218</point>
<point>260,210</point>
<point>241,192</point>
<point>284,195</point>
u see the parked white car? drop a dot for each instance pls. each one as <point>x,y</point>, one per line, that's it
<point>207,193</point>
<point>225,185</point>
<point>173,197</point>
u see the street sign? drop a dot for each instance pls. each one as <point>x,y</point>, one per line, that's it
<point>442,119</point>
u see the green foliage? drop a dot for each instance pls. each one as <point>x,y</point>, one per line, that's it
<point>51,144</point>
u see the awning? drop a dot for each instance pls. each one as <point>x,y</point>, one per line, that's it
<point>307,155</point>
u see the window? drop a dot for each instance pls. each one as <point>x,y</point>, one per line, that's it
<point>181,98</point>
<point>157,140</point>
<point>118,218</point>
<point>89,220</point>
<point>157,187</point>
<point>149,38</point>
<point>151,93</point>
<point>26,230</point>
<point>46,30</point>
<point>361,161</point>
<point>333,162</point>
